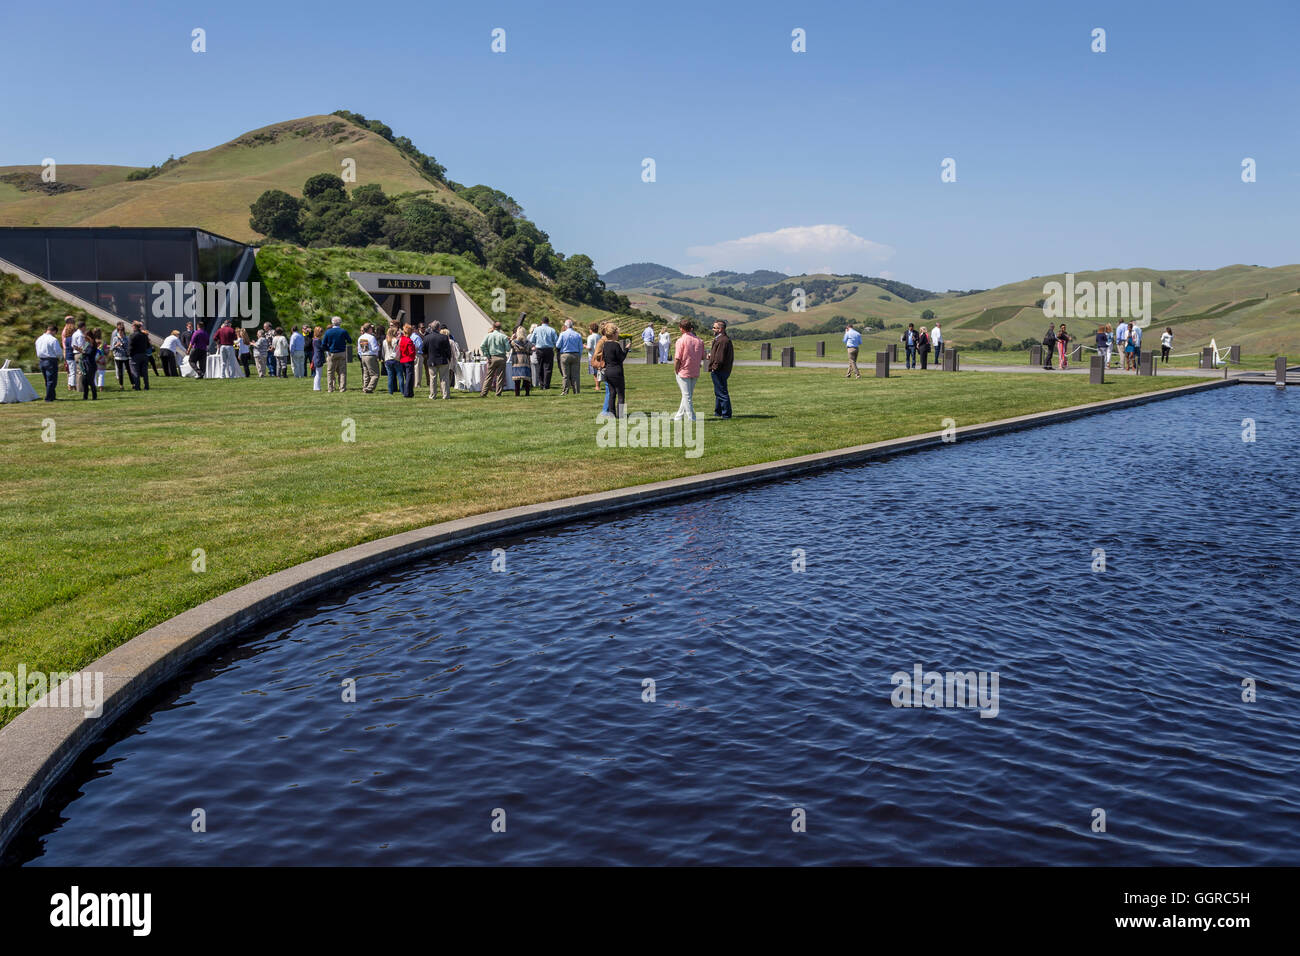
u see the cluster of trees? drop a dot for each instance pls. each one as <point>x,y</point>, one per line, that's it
<point>327,215</point>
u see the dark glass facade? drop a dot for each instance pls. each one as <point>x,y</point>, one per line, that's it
<point>115,269</point>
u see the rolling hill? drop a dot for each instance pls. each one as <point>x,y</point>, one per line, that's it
<point>213,188</point>
<point>1255,307</point>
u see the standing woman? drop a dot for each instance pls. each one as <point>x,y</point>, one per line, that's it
<point>69,357</point>
<point>665,340</point>
<point>117,344</point>
<point>90,366</point>
<point>592,339</point>
<point>260,348</point>
<point>923,345</point>
<point>245,351</point>
<point>1166,344</point>
<point>614,352</point>
<point>521,370</point>
<point>1062,341</point>
<point>317,356</point>
<point>391,366</point>
<point>406,361</point>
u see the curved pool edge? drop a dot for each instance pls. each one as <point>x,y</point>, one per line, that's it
<point>41,744</point>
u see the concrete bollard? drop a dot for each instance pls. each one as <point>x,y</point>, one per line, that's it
<point>1077,354</point>
<point>652,355</point>
<point>1279,371</point>
<point>882,364</point>
<point>950,363</point>
<point>893,352</point>
<point>821,349</point>
<point>1207,357</point>
<point>787,358</point>
<point>1097,371</point>
<point>1146,363</point>
<point>1035,355</point>
<point>1234,354</point>
<point>765,352</point>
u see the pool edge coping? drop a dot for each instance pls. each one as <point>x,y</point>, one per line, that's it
<point>40,745</point>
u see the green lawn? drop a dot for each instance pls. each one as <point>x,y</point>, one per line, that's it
<point>100,524</point>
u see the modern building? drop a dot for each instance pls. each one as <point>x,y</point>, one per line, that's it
<point>115,270</point>
<point>416,299</point>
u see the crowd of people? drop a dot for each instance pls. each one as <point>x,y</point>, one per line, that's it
<point>918,344</point>
<point>1122,342</point>
<point>407,356</point>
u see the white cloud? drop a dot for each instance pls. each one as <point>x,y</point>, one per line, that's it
<point>795,250</point>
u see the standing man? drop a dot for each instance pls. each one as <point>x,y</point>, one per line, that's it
<point>1049,347</point>
<point>936,341</point>
<point>909,342</point>
<point>437,356</point>
<point>852,342</point>
<point>336,341</point>
<point>198,352</point>
<point>138,350</point>
<point>417,339</point>
<point>226,337</point>
<point>648,337</point>
<point>298,353</point>
<point>569,346</point>
<point>1121,340</point>
<point>78,346</point>
<point>187,335</point>
<point>494,348</point>
<point>50,354</point>
<point>1135,339</point>
<point>721,357</point>
<point>368,350</point>
<point>544,340</point>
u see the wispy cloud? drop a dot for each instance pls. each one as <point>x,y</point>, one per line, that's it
<point>794,250</point>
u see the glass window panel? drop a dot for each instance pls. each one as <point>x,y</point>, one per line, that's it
<point>72,258</point>
<point>119,259</point>
<point>165,258</point>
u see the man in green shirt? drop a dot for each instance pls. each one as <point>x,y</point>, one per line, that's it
<point>495,348</point>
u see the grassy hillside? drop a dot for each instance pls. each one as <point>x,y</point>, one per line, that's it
<point>312,284</point>
<point>213,188</point>
<point>1254,307</point>
<point>24,312</point>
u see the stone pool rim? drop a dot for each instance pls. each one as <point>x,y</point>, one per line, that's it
<point>40,745</point>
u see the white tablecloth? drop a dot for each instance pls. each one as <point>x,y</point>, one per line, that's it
<point>14,386</point>
<point>469,376</point>
<point>221,363</point>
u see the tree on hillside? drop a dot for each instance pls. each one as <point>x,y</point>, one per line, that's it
<point>425,226</point>
<point>927,315</point>
<point>325,186</point>
<point>577,281</point>
<point>275,215</point>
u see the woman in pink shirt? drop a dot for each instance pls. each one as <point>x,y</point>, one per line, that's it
<point>686,363</point>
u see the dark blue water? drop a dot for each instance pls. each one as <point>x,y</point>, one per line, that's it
<point>522,690</point>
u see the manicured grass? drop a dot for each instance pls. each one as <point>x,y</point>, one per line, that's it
<point>101,524</point>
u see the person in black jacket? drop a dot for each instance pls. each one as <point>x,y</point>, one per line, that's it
<point>614,352</point>
<point>437,356</point>
<point>1049,346</point>
<point>721,357</point>
<point>139,350</point>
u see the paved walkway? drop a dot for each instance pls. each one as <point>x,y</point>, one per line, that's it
<point>869,369</point>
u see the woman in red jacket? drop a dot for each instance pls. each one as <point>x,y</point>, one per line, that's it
<point>406,361</point>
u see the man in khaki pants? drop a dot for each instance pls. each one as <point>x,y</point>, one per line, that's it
<point>494,349</point>
<point>336,342</point>
<point>368,350</point>
<point>852,342</point>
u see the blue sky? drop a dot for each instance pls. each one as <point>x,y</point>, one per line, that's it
<point>1066,159</point>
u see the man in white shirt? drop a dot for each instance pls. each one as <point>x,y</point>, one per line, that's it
<point>648,338</point>
<point>1121,340</point>
<point>50,355</point>
<point>936,343</point>
<point>368,350</point>
<point>280,346</point>
<point>78,343</point>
